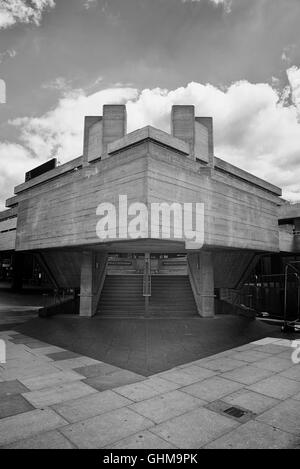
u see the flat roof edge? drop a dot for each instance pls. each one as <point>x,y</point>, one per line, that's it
<point>240,173</point>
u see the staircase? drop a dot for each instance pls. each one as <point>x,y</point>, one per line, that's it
<point>122,296</point>
<point>172,296</point>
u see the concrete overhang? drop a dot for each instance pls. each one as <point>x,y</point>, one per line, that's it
<point>289,211</point>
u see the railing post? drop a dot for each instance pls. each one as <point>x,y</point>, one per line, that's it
<point>147,282</point>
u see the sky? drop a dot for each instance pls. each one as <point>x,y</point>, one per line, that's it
<point>235,60</point>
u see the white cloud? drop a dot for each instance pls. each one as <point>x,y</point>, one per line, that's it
<point>90,3</point>
<point>226,3</point>
<point>22,11</point>
<point>15,161</point>
<point>60,83</point>
<point>294,79</point>
<point>10,53</point>
<point>254,127</point>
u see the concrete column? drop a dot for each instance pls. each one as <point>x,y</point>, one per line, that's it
<point>183,125</point>
<point>201,275</point>
<point>86,284</point>
<point>93,272</point>
<point>114,124</point>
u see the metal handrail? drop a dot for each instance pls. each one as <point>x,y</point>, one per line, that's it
<point>296,272</point>
<point>147,281</point>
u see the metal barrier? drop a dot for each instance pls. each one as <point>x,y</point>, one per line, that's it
<point>147,282</point>
<point>289,326</point>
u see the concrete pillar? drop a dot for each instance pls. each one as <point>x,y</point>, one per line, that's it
<point>86,284</point>
<point>201,275</point>
<point>93,272</point>
<point>183,125</point>
<point>114,124</point>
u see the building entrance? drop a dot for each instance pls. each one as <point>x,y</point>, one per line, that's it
<point>147,285</point>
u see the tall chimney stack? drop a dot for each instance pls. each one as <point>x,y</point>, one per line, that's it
<point>183,125</point>
<point>114,123</point>
<point>196,131</point>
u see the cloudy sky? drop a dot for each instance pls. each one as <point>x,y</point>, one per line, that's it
<point>236,60</point>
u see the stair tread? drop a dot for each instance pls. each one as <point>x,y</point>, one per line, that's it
<point>122,296</point>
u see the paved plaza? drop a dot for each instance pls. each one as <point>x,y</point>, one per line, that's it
<point>245,397</point>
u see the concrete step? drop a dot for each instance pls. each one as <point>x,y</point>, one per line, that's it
<point>122,296</point>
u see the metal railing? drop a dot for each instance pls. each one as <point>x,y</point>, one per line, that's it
<point>147,281</point>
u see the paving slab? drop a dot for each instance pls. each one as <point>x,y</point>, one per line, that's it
<point>36,345</point>
<point>13,405</point>
<point>90,406</point>
<point>11,388</point>
<point>212,389</point>
<point>92,371</point>
<point>249,356</point>
<point>22,426</point>
<point>223,364</point>
<point>254,435</point>
<point>167,406</point>
<point>27,371</point>
<point>187,375</point>
<point>62,355</point>
<point>292,373</point>
<point>50,380</point>
<point>72,363</point>
<point>194,429</point>
<point>285,416</point>
<point>146,389</point>
<point>286,353</point>
<point>276,386</point>
<point>44,351</point>
<point>48,440</point>
<point>56,394</point>
<point>250,400</point>
<point>274,364</point>
<point>265,341</point>
<point>106,429</point>
<point>272,349</point>
<point>113,380</point>
<point>247,374</point>
<point>142,440</point>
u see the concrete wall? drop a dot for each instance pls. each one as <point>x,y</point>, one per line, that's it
<point>62,212</point>
<point>8,233</point>
<point>237,214</point>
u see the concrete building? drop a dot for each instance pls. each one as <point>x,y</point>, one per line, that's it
<point>54,216</point>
